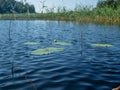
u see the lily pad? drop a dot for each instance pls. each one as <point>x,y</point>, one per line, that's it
<point>46,51</point>
<point>102,45</point>
<point>62,43</point>
<point>31,43</point>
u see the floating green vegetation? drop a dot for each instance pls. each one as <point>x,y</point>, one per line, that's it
<point>62,43</point>
<point>31,43</point>
<point>102,45</point>
<point>46,51</point>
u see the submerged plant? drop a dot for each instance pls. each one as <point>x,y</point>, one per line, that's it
<point>31,43</point>
<point>102,45</point>
<point>46,51</point>
<point>62,43</point>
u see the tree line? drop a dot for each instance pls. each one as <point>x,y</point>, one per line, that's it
<point>114,4</point>
<point>13,6</point>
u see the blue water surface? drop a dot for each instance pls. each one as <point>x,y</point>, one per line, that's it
<point>80,66</point>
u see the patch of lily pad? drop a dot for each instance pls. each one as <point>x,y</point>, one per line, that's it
<point>45,51</point>
<point>102,45</point>
<point>62,43</point>
<point>31,43</point>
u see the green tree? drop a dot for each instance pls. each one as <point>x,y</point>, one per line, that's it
<point>10,6</point>
<point>108,3</point>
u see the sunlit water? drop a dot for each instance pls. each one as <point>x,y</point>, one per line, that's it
<point>80,66</point>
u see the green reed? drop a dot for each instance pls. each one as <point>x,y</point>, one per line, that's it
<point>84,14</point>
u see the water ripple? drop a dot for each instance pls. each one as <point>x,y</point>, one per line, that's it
<point>79,67</point>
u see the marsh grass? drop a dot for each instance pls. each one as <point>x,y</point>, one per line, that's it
<point>97,15</point>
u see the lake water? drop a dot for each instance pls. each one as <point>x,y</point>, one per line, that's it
<point>81,66</point>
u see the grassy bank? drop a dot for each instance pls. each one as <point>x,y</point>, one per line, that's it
<point>101,15</point>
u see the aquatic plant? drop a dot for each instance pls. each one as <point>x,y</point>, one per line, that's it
<point>46,51</point>
<point>102,45</point>
<point>31,43</point>
<point>43,5</point>
<point>79,14</point>
<point>62,43</point>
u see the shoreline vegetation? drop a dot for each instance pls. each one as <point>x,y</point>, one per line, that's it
<point>106,11</point>
<point>97,16</point>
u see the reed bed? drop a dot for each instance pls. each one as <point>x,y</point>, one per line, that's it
<point>97,15</point>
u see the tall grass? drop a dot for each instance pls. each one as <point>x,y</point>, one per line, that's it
<point>84,14</point>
